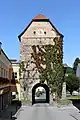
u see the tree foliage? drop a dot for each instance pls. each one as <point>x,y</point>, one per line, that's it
<point>69,71</point>
<point>72,83</point>
<point>75,64</point>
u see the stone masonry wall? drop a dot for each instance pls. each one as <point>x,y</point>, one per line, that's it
<point>39,33</point>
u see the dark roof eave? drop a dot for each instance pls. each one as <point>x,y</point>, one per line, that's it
<point>5,55</point>
<point>13,60</point>
<point>19,37</point>
<point>16,63</point>
<point>56,29</point>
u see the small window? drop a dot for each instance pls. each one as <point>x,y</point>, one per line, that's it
<point>45,32</point>
<point>14,75</point>
<point>34,32</point>
<point>24,88</point>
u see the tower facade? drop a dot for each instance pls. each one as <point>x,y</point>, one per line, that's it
<point>38,34</point>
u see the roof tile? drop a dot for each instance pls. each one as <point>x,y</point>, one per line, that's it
<point>39,16</point>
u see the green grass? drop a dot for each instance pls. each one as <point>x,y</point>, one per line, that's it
<point>67,101</point>
<point>73,97</point>
<point>64,102</point>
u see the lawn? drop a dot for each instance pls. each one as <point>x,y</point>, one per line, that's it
<point>73,97</point>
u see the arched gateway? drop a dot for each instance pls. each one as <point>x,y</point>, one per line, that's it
<point>34,91</point>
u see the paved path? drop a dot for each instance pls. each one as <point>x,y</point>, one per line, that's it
<point>46,112</point>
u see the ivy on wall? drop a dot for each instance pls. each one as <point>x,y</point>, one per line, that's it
<point>48,61</point>
<point>25,82</point>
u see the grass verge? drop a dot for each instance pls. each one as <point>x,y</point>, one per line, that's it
<point>73,97</point>
<point>63,102</point>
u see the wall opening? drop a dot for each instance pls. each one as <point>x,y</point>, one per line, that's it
<point>40,93</point>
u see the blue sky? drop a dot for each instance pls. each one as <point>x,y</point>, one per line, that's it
<point>64,14</point>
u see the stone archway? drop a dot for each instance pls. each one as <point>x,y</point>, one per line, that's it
<point>34,90</point>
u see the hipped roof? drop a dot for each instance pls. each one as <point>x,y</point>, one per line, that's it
<point>39,18</point>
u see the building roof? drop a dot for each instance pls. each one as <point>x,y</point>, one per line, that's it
<point>5,55</point>
<point>39,18</point>
<point>14,61</point>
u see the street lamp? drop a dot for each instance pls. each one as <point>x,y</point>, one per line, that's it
<point>0,47</point>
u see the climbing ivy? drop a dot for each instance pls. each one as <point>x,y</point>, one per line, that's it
<point>21,67</point>
<point>48,61</point>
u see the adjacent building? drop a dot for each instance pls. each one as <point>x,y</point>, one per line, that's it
<point>9,80</point>
<point>5,80</point>
<point>15,78</point>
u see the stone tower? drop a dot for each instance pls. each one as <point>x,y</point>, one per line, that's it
<point>38,33</point>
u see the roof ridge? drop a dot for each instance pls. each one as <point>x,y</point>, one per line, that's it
<point>40,16</point>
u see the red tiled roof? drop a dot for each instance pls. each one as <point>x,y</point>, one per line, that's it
<point>40,17</point>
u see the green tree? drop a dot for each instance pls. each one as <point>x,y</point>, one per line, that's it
<point>72,83</point>
<point>69,71</point>
<point>75,64</point>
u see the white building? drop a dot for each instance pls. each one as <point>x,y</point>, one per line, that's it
<point>5,80</point>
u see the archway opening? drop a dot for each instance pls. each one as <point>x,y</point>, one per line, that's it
<point>40,93</point>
